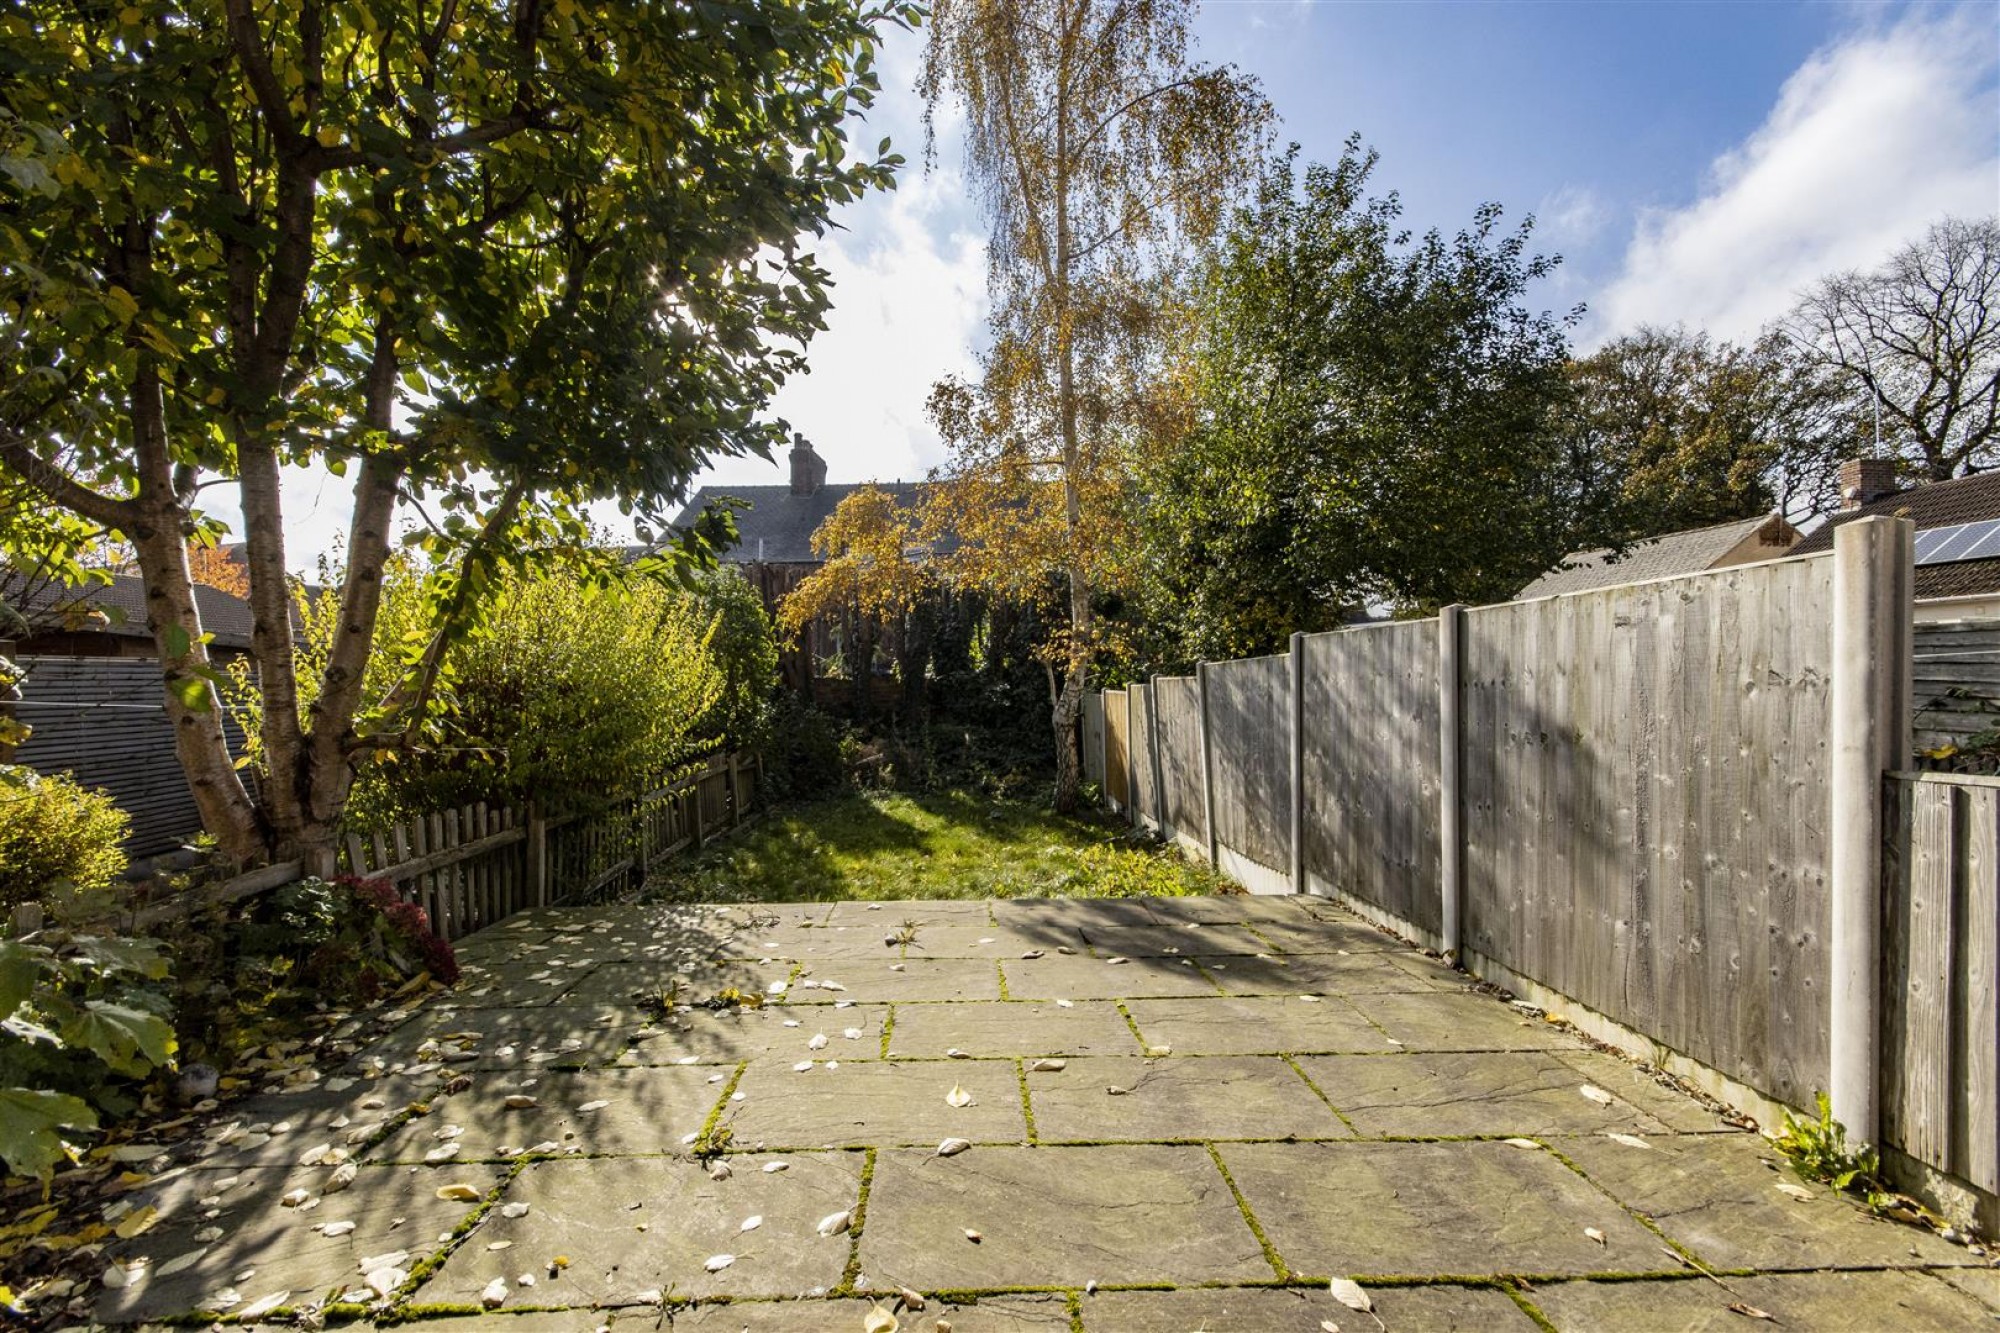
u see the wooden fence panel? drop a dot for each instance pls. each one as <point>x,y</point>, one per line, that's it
<point>1955,688</point>
<point>1941,970</point>
<point>1250,720</point>
<point>1645,809</point>
<point>1371,766</point>
<point>1141,773</point>
<point>1116,757</point>
<point>1178,708</point>
<point>465,867</point>
<point>1092,738</point>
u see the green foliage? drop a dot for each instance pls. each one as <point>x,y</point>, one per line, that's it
<point>82,1018</point>
<point>1370,420</point>
<point>1131,870</point>
<point>1817,1149</point>
<point>743,648</point>
<point>56,836</point>
<point>806,752</point>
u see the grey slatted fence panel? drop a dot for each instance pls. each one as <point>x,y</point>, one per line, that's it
<point>1250,723</point>
<point>1955,682</point>
<point>1179,708</point>
<point>1371,766</point>
<point>1645,797</point>
<point>1941,970</point>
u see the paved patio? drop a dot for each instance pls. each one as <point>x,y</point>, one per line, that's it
<point>1183,1114</point>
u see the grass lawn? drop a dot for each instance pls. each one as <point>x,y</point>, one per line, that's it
<point>879,844</point>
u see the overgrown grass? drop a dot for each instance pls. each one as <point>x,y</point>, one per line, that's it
<point>881,844</point>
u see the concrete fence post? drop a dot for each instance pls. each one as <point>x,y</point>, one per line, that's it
<point>1297,663</point>
<point>1873,575</point>
<point>1207,762</point>
<point>1104,743</point>
<point>1451,789</point>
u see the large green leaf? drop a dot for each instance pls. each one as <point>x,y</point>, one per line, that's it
<point>142,957</point>
<point>20,968</point>
<point>129,1040</point>
<point>31,1125</point>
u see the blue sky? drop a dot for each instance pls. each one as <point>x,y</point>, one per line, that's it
<point>1693,162</point>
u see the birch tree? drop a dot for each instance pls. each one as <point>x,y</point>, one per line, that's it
<point>1100,151</point>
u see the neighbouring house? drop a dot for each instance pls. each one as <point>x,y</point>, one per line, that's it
<point>1738,542</point>
<point>1958,534</point>
<point>93,696</point>
<point>774,551</point>
<point>1955,671</point>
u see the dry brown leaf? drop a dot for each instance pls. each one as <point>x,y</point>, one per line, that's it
<point>1751,1311</point>
<point>459,1193</point>
<point>878,1320</point>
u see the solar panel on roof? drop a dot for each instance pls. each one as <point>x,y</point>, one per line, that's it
<point>1959,541</point>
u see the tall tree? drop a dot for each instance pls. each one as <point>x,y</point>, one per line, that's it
<point>1921,336</point>
<point>1372,420</point>
<point>1099,150</point>
<point>499,257</point>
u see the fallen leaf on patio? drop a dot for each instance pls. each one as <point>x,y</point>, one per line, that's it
<point>1158,1052</point>
<point>343,1176</point>
<point>1796,1191</point>
<point>1350,1294</point>
<point>442,1154</point>
<point>1115,1091</point>
<point>953,1147</point>
<point>973,1236</point>
<point>1032,953</point>
<point>833,1224</point>
<point>1595,1235</point>
<point>513,1210</point>
<point>263,1306</point>
<point>593,1106</point>
<point>752,1223</point>
<point>717,1262</point>
<point>958,1096</point>
<point>852,1034</point>
<point>1751,1311</point>
<point>459,1193</point>
<point>1048,1066</point>
<point>1596,1094</point>
<point>1629,1140</point>
<point>293,1198</point>
<point>1065,1004</point>
<point>138,1222</point>
<point>719,1170</point>
<point>772,1168</point>
<point>879,1320</point>
<point>802,1066</point>
<point>953,1053</point>
<point>337,1229</point>
<point>520,1101</point>
<point>818,1042</point>
<point>446,1134</point>
<point>495,1294</point>
<point>500,1245</point>
<point>1113,962</point>
<point>384,1281</point>
<point>911,1300</point>
<point>1328,1326</point>
<point>1521,1143</point>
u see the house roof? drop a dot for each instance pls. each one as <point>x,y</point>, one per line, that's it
<point>223,614</point>
<point>778,525</point>
<point>1656,558</point>
<point>1935,505</point>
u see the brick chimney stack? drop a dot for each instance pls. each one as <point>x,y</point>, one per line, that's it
<point>808,469</point>
<point>1866,480</point>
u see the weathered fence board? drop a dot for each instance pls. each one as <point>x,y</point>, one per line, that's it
<point>1117,750</point>
<point>1143,775</point>
<point>1955,690</point>
<point>1941,959</point>
<point>1371,766</point>
<point>1645,809</point>
<point>1250,719</point>
<point>1178,710</point>
<point>1092,739</point>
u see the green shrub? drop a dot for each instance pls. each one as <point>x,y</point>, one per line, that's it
<point>744,651</point>
<point>806,752</point>
<point>56,834</point>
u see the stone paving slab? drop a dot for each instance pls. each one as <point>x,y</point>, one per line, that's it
<point>1217,1097</point>
<point>1434,1210</point>
<point>878,1104</point>
<point>1056,1217</point>
<point>1025,1028</point>
<point>1498,1094</point>
<point>1823,1302</point>
<point>1257,1025</point>
<point>629,1112</point>
<point>1718,1195</point>
<point>1074,977</point>
<point>1250,1310</point>
<point>1245,1056</point>
<point>632,1226</point>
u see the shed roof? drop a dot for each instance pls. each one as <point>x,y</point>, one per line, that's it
<point>223,614</point>
<point>778,524</point>
<point>1655,558</point>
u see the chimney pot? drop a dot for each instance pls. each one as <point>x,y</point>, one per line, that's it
<point>808,469</point>
<point>1866,480</point>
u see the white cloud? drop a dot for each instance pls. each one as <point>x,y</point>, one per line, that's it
<point>1871,139</point>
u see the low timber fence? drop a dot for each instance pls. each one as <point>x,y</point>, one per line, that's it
<point>470,867</point>
<point>1678,812</point>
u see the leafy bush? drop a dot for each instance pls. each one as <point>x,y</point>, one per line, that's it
<point>806,752</point>
<point>743,649</point>
<point>55,834</point>
<point>81,1021</point>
